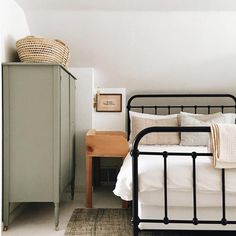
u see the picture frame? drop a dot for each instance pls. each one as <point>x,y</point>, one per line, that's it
<point>109,102</point>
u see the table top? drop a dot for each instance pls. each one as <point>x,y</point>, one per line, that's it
<point>106,143</point>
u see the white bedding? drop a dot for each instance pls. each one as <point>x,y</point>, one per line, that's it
<point>179,172</point>
<point>185,199</point>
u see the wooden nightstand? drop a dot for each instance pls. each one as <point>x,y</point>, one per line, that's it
<point>103,144</point>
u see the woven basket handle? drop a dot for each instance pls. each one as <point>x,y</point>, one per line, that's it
<point>30,36</point>
<point>59,41</point>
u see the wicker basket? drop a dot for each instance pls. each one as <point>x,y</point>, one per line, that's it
<point>36,50</point>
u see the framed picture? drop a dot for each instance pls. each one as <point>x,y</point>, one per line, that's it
<point>109,102</point>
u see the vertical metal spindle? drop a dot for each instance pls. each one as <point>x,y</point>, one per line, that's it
<point>166,220</point>
<point>209,109</point>
<point>128,130</point>
<point>168,109</point>
<point>222,109</point>
<point>142,109</point>
<point>195,109</point>
<point>195,220</point>
<point>223,220</point>
<point>182,108</point>
<point>155,110</point>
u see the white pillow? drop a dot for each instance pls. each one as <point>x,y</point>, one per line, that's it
<point>150,116</point>
<point>230,118</point>
<point>140,121</point>
<point>201,139</point>
<point>202,117</point>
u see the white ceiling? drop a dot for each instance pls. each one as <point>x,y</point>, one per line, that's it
<point>129,5</point>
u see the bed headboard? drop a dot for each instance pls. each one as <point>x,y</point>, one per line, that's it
<point>174,103</point>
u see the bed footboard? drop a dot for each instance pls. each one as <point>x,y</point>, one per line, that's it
<point>135,154</point>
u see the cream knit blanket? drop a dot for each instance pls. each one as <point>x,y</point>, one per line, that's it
<point>223,145</point>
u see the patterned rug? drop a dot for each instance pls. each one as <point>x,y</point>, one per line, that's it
<point>117,222</point>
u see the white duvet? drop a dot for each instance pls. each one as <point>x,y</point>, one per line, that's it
<point>179,172</point>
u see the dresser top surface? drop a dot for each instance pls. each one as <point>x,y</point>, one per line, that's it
<point>37,64</point>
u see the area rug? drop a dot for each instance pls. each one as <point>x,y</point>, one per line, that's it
<point>99,222</point>
<point>116,222</point>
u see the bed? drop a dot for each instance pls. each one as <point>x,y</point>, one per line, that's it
<point>175,186</point>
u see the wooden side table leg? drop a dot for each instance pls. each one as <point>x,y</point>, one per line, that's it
<point>88,181</point>
<point>125,204</point>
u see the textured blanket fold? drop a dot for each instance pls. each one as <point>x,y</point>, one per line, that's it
<point>223,145</point>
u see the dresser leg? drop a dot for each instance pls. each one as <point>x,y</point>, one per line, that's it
<point>6,216</point>
<point>56,215</point>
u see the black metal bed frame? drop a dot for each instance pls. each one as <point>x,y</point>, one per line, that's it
<point>135,154</point>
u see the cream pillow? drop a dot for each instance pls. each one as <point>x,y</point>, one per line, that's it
<point>140,121</point>
<point>230,118</point>
<point>202,117</point>
<point>149,116</point>
<point>200,139</point>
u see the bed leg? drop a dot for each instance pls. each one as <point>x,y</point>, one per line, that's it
<point>135,229</point>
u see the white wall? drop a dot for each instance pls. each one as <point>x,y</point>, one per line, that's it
<point>163,51</point>
<point>87,118</point>
<point>13,27</point>
<point>110,120</point>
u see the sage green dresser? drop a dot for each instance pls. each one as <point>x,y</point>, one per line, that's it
<point>38,134</point>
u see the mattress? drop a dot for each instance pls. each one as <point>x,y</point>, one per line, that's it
<point>179,177</point>
<point>185,199</point>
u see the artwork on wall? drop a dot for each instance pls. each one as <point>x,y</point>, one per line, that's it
<point>108,102</point>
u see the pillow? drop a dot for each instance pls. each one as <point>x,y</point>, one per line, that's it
<point>202,117</point>
<point>230,118</point>
<point>150,116</point>
<point>140,121</point>
<point>201,139</point>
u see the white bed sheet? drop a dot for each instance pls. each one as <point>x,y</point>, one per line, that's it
<point>179,173</point>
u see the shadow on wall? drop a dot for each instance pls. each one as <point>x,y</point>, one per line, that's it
<point>10,48</point>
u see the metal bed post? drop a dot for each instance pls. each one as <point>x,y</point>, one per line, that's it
<point>223,221</point>
<point>195,220</point>
<point>135,219</point>
<point>166,220</point>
